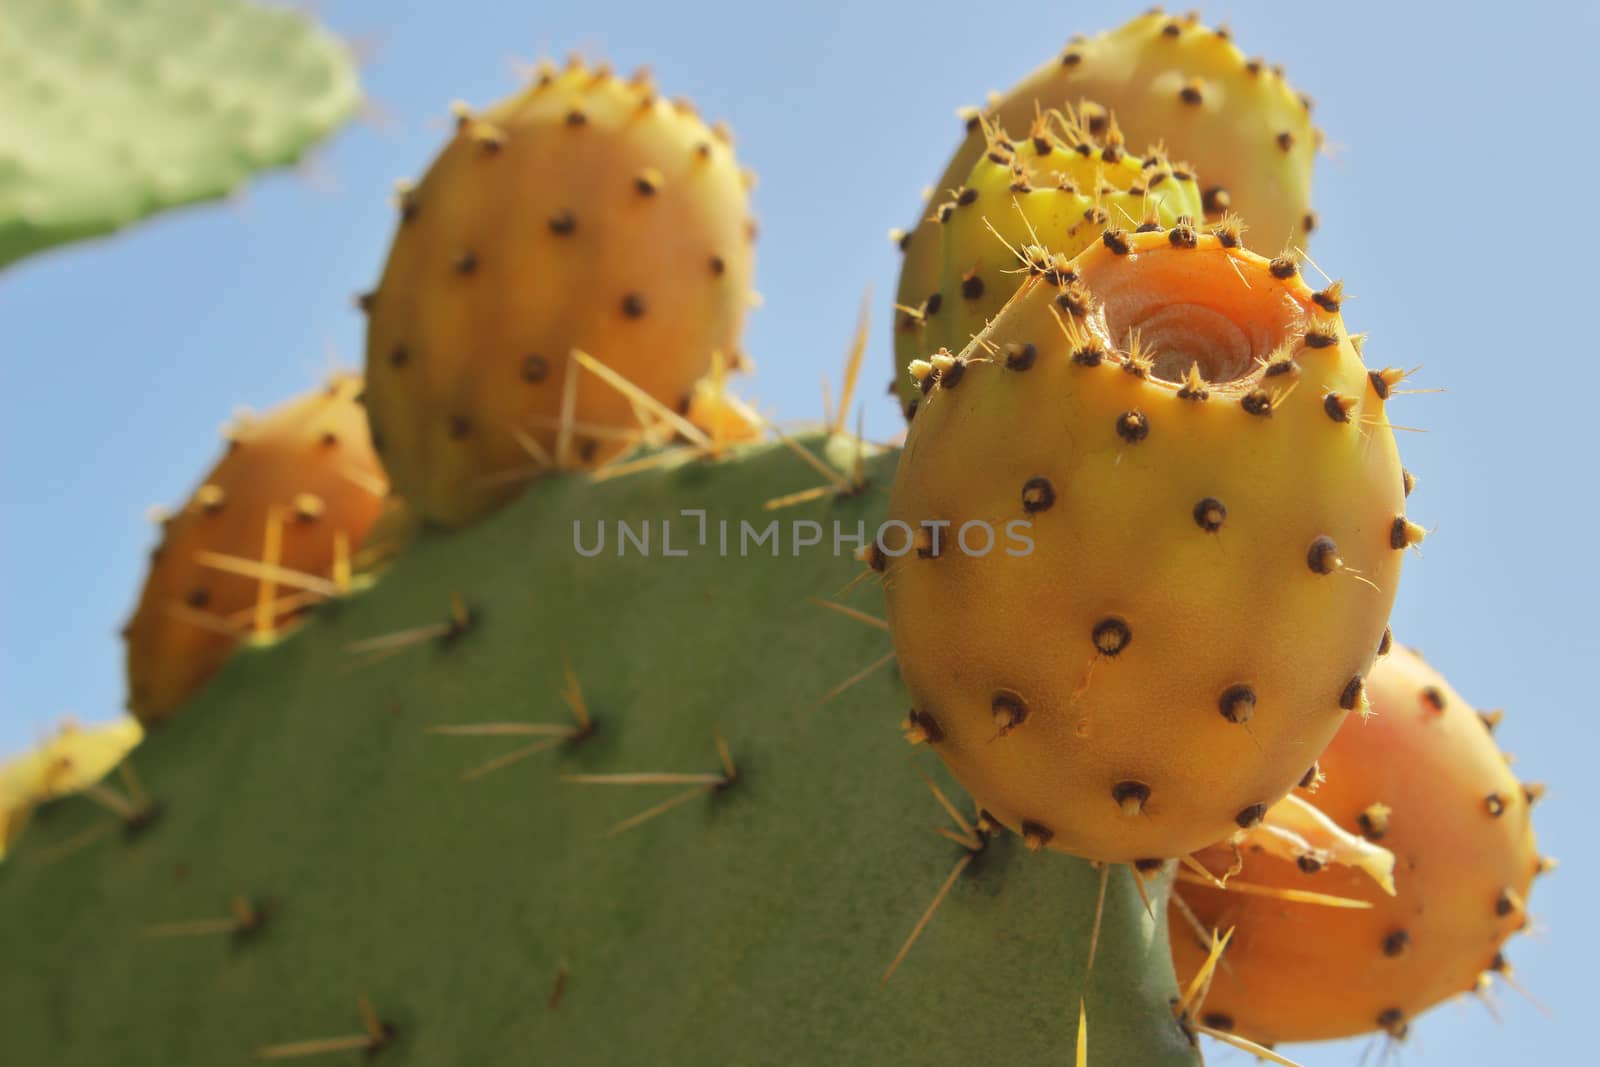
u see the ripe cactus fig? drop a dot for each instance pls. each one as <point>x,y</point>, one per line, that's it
<point>1059,187</point>
<point>1424,779</point>
<point>1166,81</point>
<point>73,760</point>
<point>585,212</point>
<point>302,477</point>
<point>1216,519</point>
<point>720,415</point>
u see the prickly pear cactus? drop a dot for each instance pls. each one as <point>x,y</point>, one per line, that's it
<point>277,525</point>
<point>1161,80</point>
<point>586,212</point>
<point>1187,518</point>
<point>742,913</point>
<point>112,111</point>
<point>1423,778</point>
<point>1059,185</point>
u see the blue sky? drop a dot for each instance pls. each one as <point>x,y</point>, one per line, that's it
<point>1442,206</point>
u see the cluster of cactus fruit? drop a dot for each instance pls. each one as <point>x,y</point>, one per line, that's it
<point>1179,661</point>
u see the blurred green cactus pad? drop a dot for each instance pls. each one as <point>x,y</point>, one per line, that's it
<point>111,110</point>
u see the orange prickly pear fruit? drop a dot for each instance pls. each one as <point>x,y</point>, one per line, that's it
<point>1049,195</point>
<point>1168,81</point>
<point>302,477</point>
<point>1421,777</point>
<point>584,213</point>
<point>1198,521</point>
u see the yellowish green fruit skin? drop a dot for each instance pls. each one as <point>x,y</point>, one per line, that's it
<point>1177,548</point>
<point>584,213</point>
<point>1052,185</point>
<point>1171,82</point>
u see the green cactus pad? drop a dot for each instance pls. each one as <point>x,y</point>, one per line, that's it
<point>111,111</point>
<point>748,926</point>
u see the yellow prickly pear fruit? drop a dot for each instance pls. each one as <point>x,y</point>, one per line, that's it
<point>1039,199</point>
<point>584,213</point>
<point>720,415</point>
<point>1173,81</point>
<point>1197,521</point>
<point>1168,81</point>
<point>73,760</point>
<point>298,488</point>
<point>1422,778</point>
